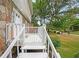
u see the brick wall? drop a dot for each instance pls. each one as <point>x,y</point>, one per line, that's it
<point>5,13</point>
<point>6,8</point>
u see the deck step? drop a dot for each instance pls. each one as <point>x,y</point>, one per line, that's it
<point>33,47</point>
<point>33,55</point>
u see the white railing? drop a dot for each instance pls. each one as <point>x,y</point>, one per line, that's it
<point>8,52</point>
<point>50,47</point>
<point>42,32</point>
<point>36,30</point>
<point>12,31</point>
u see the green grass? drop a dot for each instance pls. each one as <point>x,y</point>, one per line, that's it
<point>75,32</point>
<point>69,45</point>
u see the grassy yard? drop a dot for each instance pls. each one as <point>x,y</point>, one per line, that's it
<point>69,45</point>
<point>75,32</point>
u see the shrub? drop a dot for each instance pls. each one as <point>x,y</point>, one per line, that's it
<point>56,42</point>
<point>76,55</point>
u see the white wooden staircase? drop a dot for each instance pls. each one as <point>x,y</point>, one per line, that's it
<point>34,42</point>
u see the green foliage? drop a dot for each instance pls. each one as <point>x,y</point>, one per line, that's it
<point>40,10</point>
<point>76,55</point>
<point>56,42</point>
<point>63,23</point>
<point>75,25</point>
<point>45,9</point>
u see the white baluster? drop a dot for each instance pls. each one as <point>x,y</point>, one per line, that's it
<point>10,54</point>
<point>48,48</point>
<point>53,54</point>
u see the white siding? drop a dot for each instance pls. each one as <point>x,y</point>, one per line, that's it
<point>23,5</point>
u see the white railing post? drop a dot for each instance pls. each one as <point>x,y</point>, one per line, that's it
<point>24,32</point>
<point>10,54</point>
<point>54,52</point>
<point>16,33</point>
<point>17,48</point>
<point>53,55</point>
<point>48,48</point>
<point>44,33</point>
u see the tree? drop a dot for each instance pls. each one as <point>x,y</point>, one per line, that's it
<point>75,25</point>
<point>59,21</point>
<point>50,9</point>
<point>40,9</point>
<point>47,9</point>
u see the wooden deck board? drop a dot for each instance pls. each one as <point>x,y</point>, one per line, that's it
<point>32,38</point>
<point>33,55</point>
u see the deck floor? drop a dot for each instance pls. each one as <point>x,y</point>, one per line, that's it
<point>32,38</point>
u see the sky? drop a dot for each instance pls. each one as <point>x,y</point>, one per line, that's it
<point>73,5</point>
<point>33,0</point>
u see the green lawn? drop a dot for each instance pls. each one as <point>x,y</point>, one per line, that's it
<point>75,32</point>
<point>69,45</point>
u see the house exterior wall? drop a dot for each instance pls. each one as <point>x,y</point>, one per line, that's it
<point>5,17</point>
<point>6,10</point>
<point>23,6</point>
